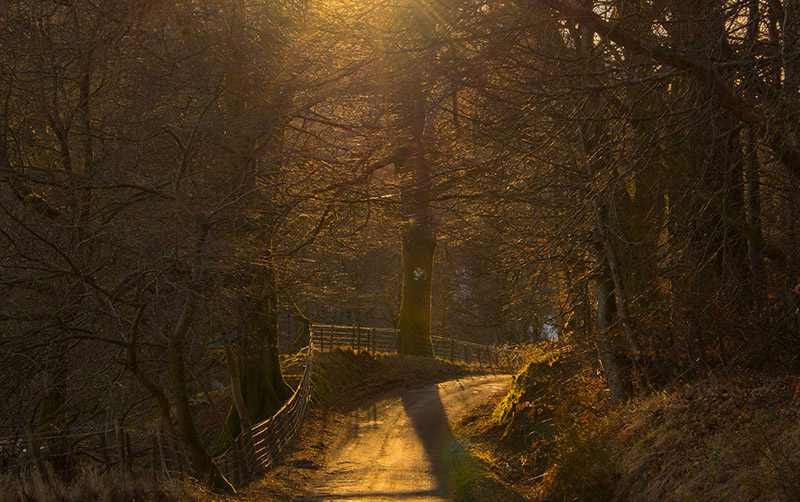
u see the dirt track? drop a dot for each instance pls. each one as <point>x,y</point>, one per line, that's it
<point>402,448</point>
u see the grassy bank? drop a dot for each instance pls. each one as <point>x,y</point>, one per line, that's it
<point>556,437</point>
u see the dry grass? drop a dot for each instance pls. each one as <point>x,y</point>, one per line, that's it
<point>733,438</point>
<point>555,437</point>
<point>93,487</point>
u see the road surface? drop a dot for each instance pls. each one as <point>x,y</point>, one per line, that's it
<point>402,448</point>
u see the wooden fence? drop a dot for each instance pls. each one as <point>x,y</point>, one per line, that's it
<point>118,448</point>
<point>242,462</point>
<point>387,340</point>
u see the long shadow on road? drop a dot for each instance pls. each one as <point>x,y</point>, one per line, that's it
<point>427,415</point>
<point>404,449</point>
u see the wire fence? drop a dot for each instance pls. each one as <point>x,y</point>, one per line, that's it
<point>153,452</point>
<point>243,461</point>
<point>387,340</point>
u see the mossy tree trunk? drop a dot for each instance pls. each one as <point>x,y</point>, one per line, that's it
<point>415,307</point>
<point>410,82</point>
<point>418,241</point>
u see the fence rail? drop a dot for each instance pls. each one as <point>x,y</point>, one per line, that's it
<point>387,340</point>
<point>126,449</point>
<point>270,437</point>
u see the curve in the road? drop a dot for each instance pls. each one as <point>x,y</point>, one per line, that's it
<point>402,448</point>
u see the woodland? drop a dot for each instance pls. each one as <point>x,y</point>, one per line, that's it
<point>186,185</point>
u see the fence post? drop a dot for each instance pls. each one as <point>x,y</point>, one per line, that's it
<point>104,449</point>
<point>466,354</point>
<point>120,444</point>
<point>452,350</point>
<point>155,458</point>
<point>128,454</point>
<point>238,461</point>
<point>33,446</point>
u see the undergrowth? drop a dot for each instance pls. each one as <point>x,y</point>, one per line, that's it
<point>557,437</point>
<point>91,486</point>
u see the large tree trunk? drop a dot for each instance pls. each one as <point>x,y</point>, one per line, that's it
<point>409,94</point>
<point>415,307</point>
<point>204,465</point>
<point>595,163</point>
<point>418,245</point>
<point>263,387</point>
<point>631,337</point>
<point>418,241</point>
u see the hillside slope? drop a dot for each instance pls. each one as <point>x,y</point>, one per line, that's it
<point>555,436</point>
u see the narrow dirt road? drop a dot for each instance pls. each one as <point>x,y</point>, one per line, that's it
<point>402,448</point>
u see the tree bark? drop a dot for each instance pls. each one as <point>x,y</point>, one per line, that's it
<point>418,240</point>
<point>263,387</point>
<point>239,403</point>
<point>204,465</point>
<point>606,314</point>
<point>418,245</point>
<point>589,143</point>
